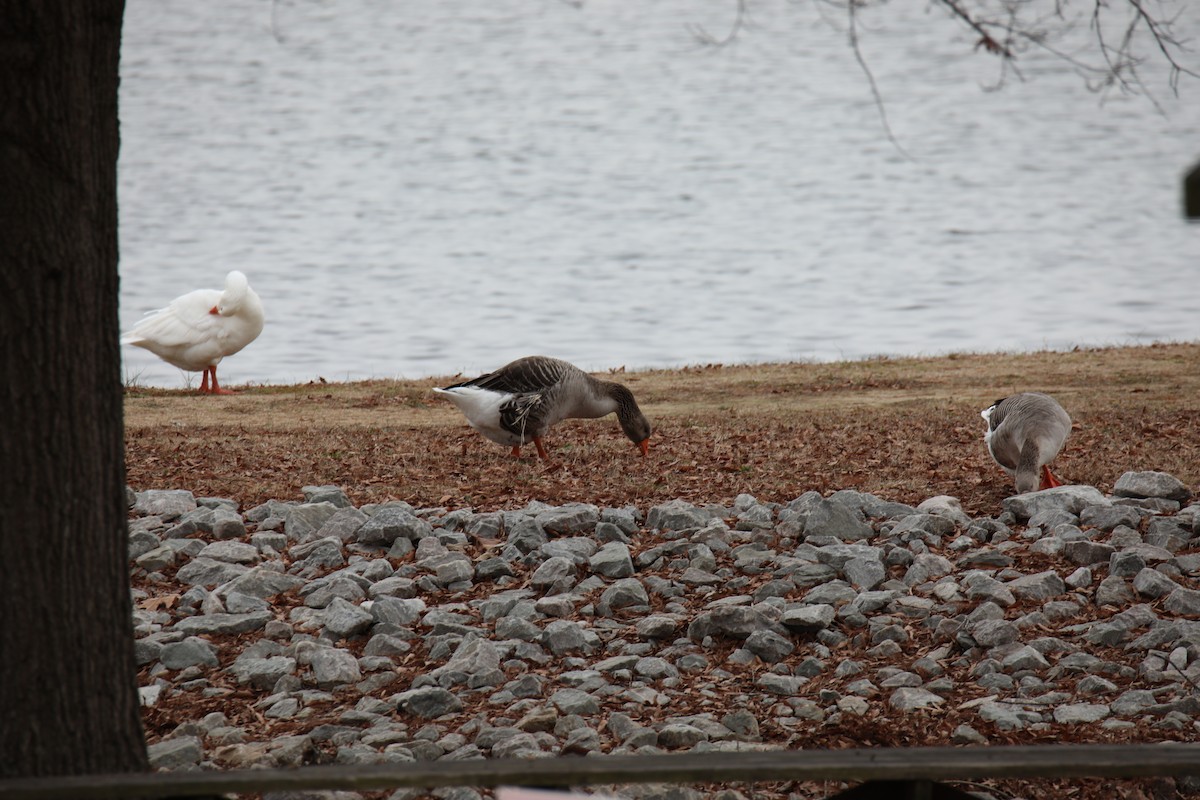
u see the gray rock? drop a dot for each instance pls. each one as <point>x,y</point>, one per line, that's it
<point>428,702</point>
<point>838,555</point>
<point>343,524</point>
<point>1183,601</point>
<point>1151,484</point>
<point>1052,518</point>
<point>994,632</point>
<point>388,524</point>
<point>574,701</point>
<point>910,699</point>
<point>1024,658</point>
<point>564,636</point>
<point>655,669</point>
<point>192,651</point>
<point>175,753</point>
<point>658,626</point>
<point>864,573</point>
<point>675,736</point>
<point>1041,586</point>
<point>397,611</point>
<point>454,570</point>
<point>326,494</point>
<point>833,519</point>
<point>208,572</point>
<point>1133,702</point>
<point>1072,499</point>
<point>262,673</point>
<point>227,524</point>
<point>735,622</point>
<point>769,646</point>
<point>333,667</point>
<point>1125,564</point>
<point>808,618</point>
<point>554,575</point>
<point>303,521</point>
<point>223,624</point>
<point>1085,552</point>
<point>1007,716</point>
<point>569,519</point>
<point>784,685</point>
<point>1106,518</point>
<point>1113,591</point>
<point>935,525</point>
<point>676,515</point>
<point>475,656</point>
<point>1081,713</point>
<point>965,734</point>
<point>156,559</point>
<point>168,504</point>
<point>981,586</point>
<point>231,552</point>
<point>623,593</point>
<point>612,561</point>
<point>261,582</point>
<point>342,618</point>
<point>926,567</point>
<point>1152,583</point>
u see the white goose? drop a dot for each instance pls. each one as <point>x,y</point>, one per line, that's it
<point>1025,433</point>
<point>520,401</point>
<point>200,328</point>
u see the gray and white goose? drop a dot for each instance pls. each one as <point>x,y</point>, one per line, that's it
<point>522,400</point>
<point>1025,432</point>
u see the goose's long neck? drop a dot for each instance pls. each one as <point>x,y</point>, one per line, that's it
<point>595,398</point>
<point>625,406</point>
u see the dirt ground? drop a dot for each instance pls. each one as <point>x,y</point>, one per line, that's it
<point>904,429</point>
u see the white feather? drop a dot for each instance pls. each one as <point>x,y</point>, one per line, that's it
<point>481,407</point>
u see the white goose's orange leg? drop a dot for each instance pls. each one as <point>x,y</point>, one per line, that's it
<point>215,388</point>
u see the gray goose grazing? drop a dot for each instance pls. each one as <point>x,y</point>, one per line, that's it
<point>1025,433</point>
<point>522,400</point>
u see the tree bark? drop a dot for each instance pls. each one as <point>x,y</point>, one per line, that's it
<point>68,680</point>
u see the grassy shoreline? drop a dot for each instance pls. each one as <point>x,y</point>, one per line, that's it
<point>903,428</point>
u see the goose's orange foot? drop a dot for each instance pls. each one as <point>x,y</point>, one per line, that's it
<point>1048,479</point>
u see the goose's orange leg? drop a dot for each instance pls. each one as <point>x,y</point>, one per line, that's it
<point>537,440</point>
<point>215,388</point>
<point>1048,479</point>
<point>516,451</point>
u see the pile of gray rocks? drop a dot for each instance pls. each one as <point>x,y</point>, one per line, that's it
<point>317,632</point>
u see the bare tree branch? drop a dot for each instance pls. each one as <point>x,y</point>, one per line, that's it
<point>862,63</point>
<point>1005,28</point>
<point>704,37</point>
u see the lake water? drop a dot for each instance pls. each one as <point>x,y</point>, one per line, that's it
<point>431,188</point>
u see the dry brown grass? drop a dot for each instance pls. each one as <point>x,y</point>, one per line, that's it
<point>904,429</point>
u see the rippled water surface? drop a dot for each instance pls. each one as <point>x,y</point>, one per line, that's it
<point>427,188</point>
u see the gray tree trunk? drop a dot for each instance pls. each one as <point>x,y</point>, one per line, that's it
<point>68,683</point>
